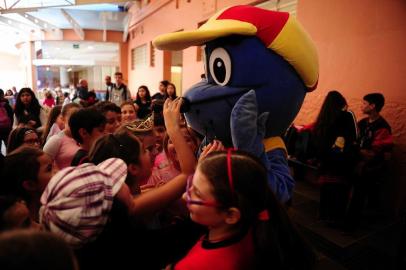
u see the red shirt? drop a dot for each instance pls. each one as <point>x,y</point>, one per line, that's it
<point>231,254</point>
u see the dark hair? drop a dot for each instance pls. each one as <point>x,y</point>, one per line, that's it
<point>29,249</point>
<point>49,95</point>
<point>88,119</point>
<point>52,116</point>
<point>148,95</point>
<point>330,111</point>
<point>107,106</point>
<point>277,243</point>
<point>16,137</point>
<point>20,165</point>
<point>118,74</point>
<point>121,145</point>
<point>6,202</point>
<point>1,93</point>
<point>158,119</point>
<point>377,99</point>
<point>91,94</point>
<point>173,96</point>
<point>66,94</point>
<point>33,108</point>
<point>164,82</point>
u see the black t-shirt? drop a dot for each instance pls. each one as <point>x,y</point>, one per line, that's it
<point>144,109</point>
<point>159,96</point>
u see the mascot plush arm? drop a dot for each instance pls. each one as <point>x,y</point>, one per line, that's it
<point>247,133</point>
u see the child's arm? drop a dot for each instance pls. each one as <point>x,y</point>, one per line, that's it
<point>160,197</point>
<point>187,159</point>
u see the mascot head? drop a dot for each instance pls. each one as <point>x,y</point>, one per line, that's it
<point>247,48</point>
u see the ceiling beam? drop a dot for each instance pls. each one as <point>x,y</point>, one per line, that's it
<point>18,25</point>
<point>39,22</point>
<point>76,27</point>
<point>103,17</point>
<point>126,25</point>
<point>15,3</point>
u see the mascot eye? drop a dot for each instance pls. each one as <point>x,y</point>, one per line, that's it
<point>220,66</point>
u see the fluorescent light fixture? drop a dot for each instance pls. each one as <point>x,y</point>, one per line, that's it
<point>176,69</point>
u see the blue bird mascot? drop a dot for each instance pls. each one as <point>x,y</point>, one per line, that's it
<point>259,66</point>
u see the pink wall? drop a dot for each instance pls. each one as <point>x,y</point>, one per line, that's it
<point>160,17</point>
<point>361,50</point>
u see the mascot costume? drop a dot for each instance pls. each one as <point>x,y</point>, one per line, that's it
<point>259,65</point>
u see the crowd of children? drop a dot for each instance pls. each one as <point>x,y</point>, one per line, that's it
<point>113,184</point>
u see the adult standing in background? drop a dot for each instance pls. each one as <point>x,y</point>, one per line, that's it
<point>119,93</point>
<point>109,87</point>
<point>82,91</point>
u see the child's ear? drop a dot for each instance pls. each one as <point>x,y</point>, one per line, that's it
<point>83,133</point>
<point>29,185</point>
<point>233,216</point>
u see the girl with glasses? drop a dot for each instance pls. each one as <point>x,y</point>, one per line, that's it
<point>23,136</point>
<point>247,227</point>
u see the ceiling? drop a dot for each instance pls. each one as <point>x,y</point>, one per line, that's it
<point>69,53</point>
<point>28,19</point>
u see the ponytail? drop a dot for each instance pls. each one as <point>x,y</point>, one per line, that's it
<point>278,244</point>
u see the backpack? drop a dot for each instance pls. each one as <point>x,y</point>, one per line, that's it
<point>5,121</point>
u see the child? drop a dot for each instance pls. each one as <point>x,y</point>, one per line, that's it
<point>62,147</point>
<point>143,102</point>
<point>248,229</point>
<point>54,123</point>
<point>23,136</point>
<point>112,113</point>
<point>66,99</point>
<point>86,125</point>
<point>26,173</point>
<point>49,100</point>
<point>159,130</point>
<point>14,214</point>
<point>167,163</point>
<point>142,129</point>
<point>171,91</point>
<point>28,249</point>
<point>118,157</point>
<point>128,112</point>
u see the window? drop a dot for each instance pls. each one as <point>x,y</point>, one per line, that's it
<point>132,59</point>
<point>139,57</point>
<point>151,55</point>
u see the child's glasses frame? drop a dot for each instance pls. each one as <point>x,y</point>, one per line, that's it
<point>189,199</point>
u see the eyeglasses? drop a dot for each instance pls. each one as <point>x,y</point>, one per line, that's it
<point>189,199</point>
<point>32,141</point>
